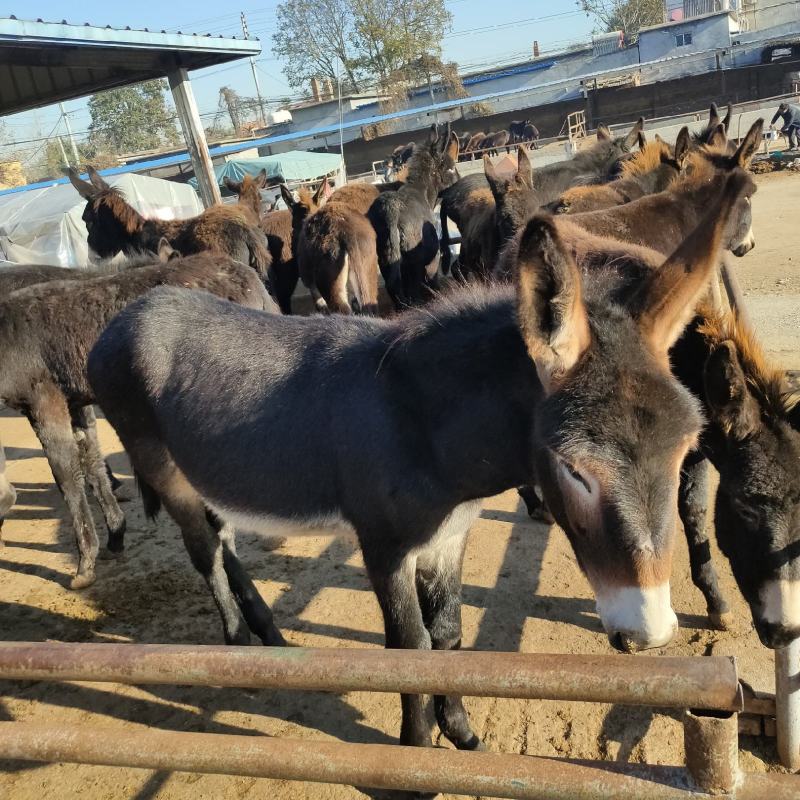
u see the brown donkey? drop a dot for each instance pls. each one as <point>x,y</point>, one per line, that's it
<point>660,220</point>
<point>248,190</point>
<point>649,171</point>
<point>114,226</point>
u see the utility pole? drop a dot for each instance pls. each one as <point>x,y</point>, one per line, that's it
<point>255,72</point>
<point>69,133</point>
<point>64,152</point>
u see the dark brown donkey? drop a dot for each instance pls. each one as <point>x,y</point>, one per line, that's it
<point>564,377</point>
<point>248,190</point>
<point>114,226</point>
<point>46,332</point>
<point>337,256</point>
<point>486,229</point>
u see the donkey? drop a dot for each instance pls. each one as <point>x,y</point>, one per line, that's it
<point>494,216</point>
<point>565,379</point>
<point>114,226</point>
<point>705,135</point>
<point>407,241</point>
<point>658,220</point>
<point>530,135</point>
<point>752,438</point>
<point>248,190</point>
<point>517,129</point>
<point>337,258</point>
<point>494,142</point>
<point>46,332</point>
<point>649,171</point>
<point>474,143</point>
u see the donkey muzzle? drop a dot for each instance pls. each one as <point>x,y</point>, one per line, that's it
<point>637,617</point>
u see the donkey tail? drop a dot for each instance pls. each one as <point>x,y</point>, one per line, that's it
<point>445,238</point>
<point>362,266</point>
<point>150,497</point>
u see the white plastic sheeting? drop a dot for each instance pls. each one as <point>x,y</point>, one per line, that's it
<point>45,226</point>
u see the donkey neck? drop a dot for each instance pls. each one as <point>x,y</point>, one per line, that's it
<point>471,390</point>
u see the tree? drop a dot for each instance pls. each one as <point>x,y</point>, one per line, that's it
<point>629,16</point>
<point>377,41</point>
<point>312,36</point>
<point>132,118</point>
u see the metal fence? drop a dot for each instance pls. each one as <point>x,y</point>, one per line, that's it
<point>707,689</point>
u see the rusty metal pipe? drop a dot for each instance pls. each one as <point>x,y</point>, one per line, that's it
<point>711,744</point>
<point>705,683</point>
<point>366,765</point>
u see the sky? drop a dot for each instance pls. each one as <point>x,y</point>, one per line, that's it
<point>477,40</point>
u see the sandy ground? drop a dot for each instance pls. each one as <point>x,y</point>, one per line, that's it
<point>522,591</point>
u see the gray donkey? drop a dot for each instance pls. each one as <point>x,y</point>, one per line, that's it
<point>555,375</point>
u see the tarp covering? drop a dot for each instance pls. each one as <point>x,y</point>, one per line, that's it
<point>45,226</point>
<point>298,165</point>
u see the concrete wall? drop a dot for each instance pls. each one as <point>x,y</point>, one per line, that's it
<point>770,13</point>
<point>708,33</point>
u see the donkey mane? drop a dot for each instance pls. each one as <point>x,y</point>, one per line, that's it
<point>646,160</point>
<point>767,382</point>
<point>114,200</point>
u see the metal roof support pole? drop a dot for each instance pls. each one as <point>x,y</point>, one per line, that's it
<point>787,704</point>
<point>194,135</point>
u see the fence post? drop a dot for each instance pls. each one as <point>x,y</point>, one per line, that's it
<point>787,704</point>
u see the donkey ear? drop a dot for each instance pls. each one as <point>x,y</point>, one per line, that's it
<point>718,138</point>
<point>497,184</point>
<point>633,135</point>
<point>642,140</point>
<point>234,186</point>
<point>682,146</point>
<point>321,191</point>
<point>524,168</point>
<point>85,190</point>
<point>713,116</point>
<point>667,299</point>
<point>657,137</point>
<point>730,403</point>
<point>550,310</point>
<point>726,122</point>
<point>287,196</point>
<point>433,137</point>
<point>261,179</point>
<point>750,144</point>
<point>452,147</point>
<point>603,133</point>
<point>166,252</point>
<point>96,179</point>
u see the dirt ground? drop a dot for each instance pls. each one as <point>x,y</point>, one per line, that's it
<point>522,591</point>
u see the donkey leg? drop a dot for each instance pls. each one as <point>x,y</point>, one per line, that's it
<point>439,590</point>
<point>50,420</point>
<point>84,427</point>
<point>693,509</point>
<point>8,494</point>
<point>393,579</point>
<point>256,612</point>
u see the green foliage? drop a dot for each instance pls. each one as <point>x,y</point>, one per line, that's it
<point>132,118</point>
<point>629,16</point>
<point>376,41</point>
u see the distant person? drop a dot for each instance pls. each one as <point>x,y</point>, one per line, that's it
<point>791,123</point>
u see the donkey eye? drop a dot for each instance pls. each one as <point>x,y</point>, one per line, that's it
<point>576,476</point>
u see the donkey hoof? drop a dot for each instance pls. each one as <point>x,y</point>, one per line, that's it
<point>274,638</point>
<point>721,620</point>
<point>541,514</point>
<point>110,553</point>
<point>122,494</point>
<point>475,743</point>
<point>82,580</point>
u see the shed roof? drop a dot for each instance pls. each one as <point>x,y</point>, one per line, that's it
<point>47,62</point>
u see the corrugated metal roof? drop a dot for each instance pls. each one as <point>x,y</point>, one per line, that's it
<point>47,62</point>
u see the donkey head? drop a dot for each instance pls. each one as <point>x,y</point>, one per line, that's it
<point>738,236</point>
<point>302,208</point>
<point>249,189</point>
<point>515,199</point>
<point>758,501</point>
<point>110,222</point>
<point>615,425</point>
<point>433,165</point>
